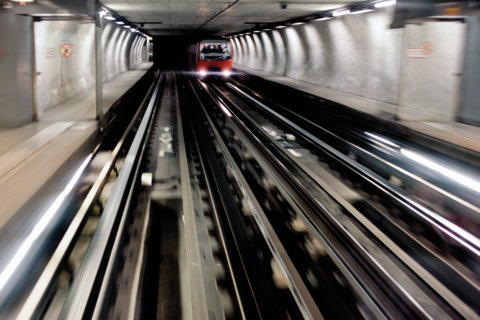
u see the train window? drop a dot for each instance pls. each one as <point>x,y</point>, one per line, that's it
<point>215,50</point>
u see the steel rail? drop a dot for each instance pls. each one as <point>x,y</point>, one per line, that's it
<point>209,187</point>
<point>299,290</point>
<point>86,283</point>
<point>37,299</point>
<point>261,303</point>
<point>311,215</point>
<point>447,292</point>
<point>472,210</point>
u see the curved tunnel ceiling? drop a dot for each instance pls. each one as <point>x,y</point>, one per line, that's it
<point>171,17</point>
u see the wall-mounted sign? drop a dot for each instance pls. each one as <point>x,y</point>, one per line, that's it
<point>66,50</point>
<point>50,53</point>
<point>425,49</point>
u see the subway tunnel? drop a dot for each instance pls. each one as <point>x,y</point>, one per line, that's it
<point>241,159</point>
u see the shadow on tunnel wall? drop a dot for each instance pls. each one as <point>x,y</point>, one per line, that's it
<point>170,52</point>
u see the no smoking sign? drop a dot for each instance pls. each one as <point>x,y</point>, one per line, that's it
<point>66,50</point>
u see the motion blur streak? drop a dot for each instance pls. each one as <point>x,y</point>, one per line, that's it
<point>383,140</point>
<point>41,225</point>
<point>451,174</point>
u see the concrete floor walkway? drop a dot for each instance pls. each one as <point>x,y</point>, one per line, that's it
<point>31,154</point>
<point>81,107</point>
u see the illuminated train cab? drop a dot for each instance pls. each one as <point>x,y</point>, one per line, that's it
<point>212,57</point>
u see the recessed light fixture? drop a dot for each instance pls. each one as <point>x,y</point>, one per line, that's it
<point>385,4</point>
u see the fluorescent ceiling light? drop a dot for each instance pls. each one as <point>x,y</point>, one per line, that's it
<point>280,27</point>
<point>109,17</point>
<point>22,0</point>
<point>120,22</point>
<point>267,29</point>
<point>361,11</point>
<point>323,19</point>
<point>298,23</point>
<point>256,31</point>
<point>385,3</point>
<point>341,12</point>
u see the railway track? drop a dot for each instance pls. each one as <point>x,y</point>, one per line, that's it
<point>229,205</point>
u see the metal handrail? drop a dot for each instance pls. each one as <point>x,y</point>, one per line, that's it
<point>38,297</point>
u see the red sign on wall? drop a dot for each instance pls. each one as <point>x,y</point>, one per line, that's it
<point>66,50</point>
<point>425,49</point>
<point>50,53</point>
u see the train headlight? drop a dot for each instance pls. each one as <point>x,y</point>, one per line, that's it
<point>226,73</point>
<point>202,73</point>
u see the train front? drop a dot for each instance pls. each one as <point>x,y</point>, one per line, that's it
<point>214,58</point>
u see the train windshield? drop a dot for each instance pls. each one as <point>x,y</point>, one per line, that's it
<point>215,50</point>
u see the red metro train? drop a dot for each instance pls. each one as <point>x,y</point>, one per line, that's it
<point>212,57</point>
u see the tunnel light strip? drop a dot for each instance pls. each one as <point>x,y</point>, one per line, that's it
<point>41,225</point>
<point>328,15</point>
<point>361,11</point>
<point>385,4</point>
<point>341,12</point>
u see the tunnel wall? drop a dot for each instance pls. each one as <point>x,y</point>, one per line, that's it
<point>470,111</point>
<point>16,69</point>
<point>61,77</point>
<point>356,54</point>
<point>122,50</point>
<point>418,67</point>
<point>431,76</point>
